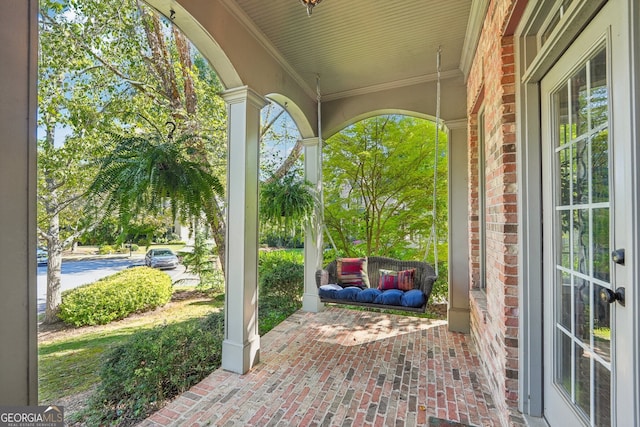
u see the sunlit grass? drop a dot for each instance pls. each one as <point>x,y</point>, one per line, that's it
<point>69,359</point>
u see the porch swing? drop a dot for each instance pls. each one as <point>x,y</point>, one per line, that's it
<point>397,285</point>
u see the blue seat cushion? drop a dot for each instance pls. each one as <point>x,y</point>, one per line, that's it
<point>348,294</point>
<point>390,297</point>
<point>368,295</point>
<point>413,298</point>
<point>328,291</point>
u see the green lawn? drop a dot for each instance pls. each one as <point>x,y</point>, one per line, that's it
<point>68,359</point>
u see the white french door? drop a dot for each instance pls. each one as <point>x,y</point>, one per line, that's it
<point>585,137</point>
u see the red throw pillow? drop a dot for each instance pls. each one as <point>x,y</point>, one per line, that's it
<point>406,279</point>
<point>403,280</point>
<point>353,272</point>
<point>388,280</point>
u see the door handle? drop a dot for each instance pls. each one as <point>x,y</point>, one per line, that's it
<point>609,296</point>
<point>618,256</point>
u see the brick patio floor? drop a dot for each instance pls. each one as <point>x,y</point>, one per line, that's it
<point>344,368</point>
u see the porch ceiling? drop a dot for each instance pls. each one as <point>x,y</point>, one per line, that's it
<point>359,46</point>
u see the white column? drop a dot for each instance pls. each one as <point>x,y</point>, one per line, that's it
<point>458,313</point>
<point>241,346</point>
<point>18,322</point>
<point>313,235</point>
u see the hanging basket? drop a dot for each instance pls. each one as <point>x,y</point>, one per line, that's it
<point>288,202</point>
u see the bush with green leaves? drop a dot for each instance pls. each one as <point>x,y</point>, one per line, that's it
<point>116,296</point>
<point>281,276</point>
<point>106,250</point>
<point>176,242</point>
<point>201,261</point>
<point>440,290</point>
<point>153,366</point>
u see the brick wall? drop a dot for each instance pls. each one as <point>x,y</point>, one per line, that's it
<point>494,310</point>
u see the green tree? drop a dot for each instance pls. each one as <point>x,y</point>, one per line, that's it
<point>378,182</point>
<point>114,67</point>
<point>73,98</point>
<point>117,67</point>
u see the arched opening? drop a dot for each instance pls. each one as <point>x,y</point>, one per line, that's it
<point>386,192</point>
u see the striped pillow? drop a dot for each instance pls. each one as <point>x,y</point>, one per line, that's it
<point>388,280</point>
<point>403,280</point>
<point>353,272</point>
<point>406,278</point>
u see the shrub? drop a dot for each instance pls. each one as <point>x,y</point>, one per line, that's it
<point>283,240</point>
<point>272,310</point>
<point>176,242</point>
<point>115,297</point>
<point>281,275</point>
<point>133,247</point>
<point>139,375</point>
<point>440,290</point>
<point>106,250</point>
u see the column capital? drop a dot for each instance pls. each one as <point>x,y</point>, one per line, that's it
<point>310,142</point>
<point>456,124</point>
<point>243,93</point>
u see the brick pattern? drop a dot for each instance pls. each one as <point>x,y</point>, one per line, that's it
<point>494,313</point>
<point>344,368</point>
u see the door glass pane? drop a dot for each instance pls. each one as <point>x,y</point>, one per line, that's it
<point>601,326</point>
<point>564,299</point>
<point>602,400</point>
<point>580,240</point>
<point>599,91</point>
<point>565,176</point>
<point>580,173</point>
<point>563,366</point>
<point>565,243</point>
<point>579,103</point>
<point>601,253</point>
<point>582,309</point>
<point>561,99</point>
<point>583,379</point>
<point>600,166</point>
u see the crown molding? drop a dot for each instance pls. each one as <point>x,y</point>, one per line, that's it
<point>426,78</point>
<point>477,16</point>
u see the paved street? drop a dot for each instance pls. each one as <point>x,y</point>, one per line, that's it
<point>80,272</point>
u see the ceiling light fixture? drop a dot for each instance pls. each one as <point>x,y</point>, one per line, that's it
<point>310,5</point>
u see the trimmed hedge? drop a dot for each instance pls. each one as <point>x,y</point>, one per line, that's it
<point>115,297</point>
<point>153,366</point>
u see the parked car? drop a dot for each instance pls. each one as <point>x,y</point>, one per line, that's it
<point>42,256</point>
<point>161,258</point>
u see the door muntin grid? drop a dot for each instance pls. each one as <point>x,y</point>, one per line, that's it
<point>582,344</point>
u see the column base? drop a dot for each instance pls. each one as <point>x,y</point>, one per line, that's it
<point>459,320</point>
<point>240,358</point>
<point>311,303</point>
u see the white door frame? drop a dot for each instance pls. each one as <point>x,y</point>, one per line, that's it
<point>533,61</point>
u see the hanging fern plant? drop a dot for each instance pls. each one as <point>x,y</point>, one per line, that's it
<point>288,202</point>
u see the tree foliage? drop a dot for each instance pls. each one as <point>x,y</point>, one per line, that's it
<point>114,67</point>
<point>379,183</point>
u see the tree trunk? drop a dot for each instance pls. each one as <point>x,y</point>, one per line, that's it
<point>296,151</point>
<point>54,271</point>
<point>216,220</point>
